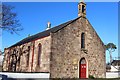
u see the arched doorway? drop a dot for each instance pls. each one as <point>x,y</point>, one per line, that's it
<point>82,68</point>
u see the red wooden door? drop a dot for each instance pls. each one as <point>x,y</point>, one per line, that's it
<point>82,68</point>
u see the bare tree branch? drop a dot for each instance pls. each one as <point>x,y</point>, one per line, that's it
<point>9,19</point>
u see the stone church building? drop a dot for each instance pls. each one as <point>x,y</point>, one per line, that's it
<point>70,50</point>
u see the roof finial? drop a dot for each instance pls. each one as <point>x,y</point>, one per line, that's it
<point>48,25</point>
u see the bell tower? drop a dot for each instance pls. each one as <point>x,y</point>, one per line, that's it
<point>81,8</point>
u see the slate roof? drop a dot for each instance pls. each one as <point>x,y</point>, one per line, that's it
<point>44,33</point>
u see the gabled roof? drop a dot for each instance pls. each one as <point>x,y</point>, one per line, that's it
<point>44,33</point>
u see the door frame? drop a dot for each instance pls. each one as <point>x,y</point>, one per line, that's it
<point>86,67</point>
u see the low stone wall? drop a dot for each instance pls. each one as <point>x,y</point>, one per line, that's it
<point>26,75</point>
<point>112,74</point>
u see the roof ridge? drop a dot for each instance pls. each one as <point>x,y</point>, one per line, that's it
<point>44,33</point>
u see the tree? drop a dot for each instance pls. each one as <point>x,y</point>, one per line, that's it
<point>16,57</point>
<point>9,19</point>
<point>111,48</point>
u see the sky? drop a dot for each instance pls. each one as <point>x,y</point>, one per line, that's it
<point>59,0</point>
<point>34,16</point>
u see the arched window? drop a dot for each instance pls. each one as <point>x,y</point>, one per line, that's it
<point>13,61</point>
<point>28,55</point>
<point>83,40</point>
<point>39,53</point>
<point>8,57</point>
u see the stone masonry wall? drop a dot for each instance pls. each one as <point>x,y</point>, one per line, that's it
<point>5,61</point>
<point>21,53</point>
<point>66,51</point>
<point>45,55</point>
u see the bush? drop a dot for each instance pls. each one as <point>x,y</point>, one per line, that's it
<point>91,77</point>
